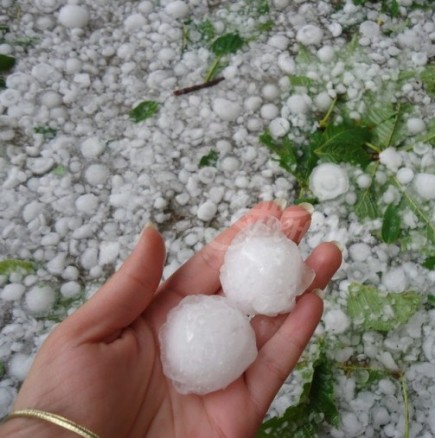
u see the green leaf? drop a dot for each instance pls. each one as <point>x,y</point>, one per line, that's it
<point>386,122</point>
<point>285,150</point>
<point>429,263</point>
<point>417,210</point>
<point>2,369</point>
<point>143,111</point>
<point>431,300</point>
<point>312,201</point>
<point>14,265</point>
<point>429,135</point>
<point>258,8</point>
<point>365,376</point>
<point>316,404</point>
<point>428,78</point>
<point>391,224</point>
<point>209,159</point>
<point>207,30</point>
<point>301,81</point>
<point>46,131</point>
<point>366,206</point>
<point>267,26</point>
<point>343,143</point>
<point>372,310</point>
<point>59,170</point>
<point>394,8</point>
<point>304,56</point>
<point>6,63</point>
<point>227,44</point>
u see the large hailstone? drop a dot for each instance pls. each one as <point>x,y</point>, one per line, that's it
<point>206,343</point>
<point>263,271</point>
<point>328,181</point>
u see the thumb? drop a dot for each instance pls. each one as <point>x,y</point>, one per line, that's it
<point>126,294</point>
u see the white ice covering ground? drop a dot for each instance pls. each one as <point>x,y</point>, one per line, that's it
<point>75,203</point>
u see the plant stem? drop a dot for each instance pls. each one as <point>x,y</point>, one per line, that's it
<point>212,71</point>
<point>324,122</point>
<point>396,121</point>
<point>417,210</point>
<point>197,87</point>
<point>404,388</point>
<point>373,147</point>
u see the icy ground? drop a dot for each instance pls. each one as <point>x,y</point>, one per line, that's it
<point>79,178</point>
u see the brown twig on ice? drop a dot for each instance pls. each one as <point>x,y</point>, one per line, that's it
<point>193,88</point>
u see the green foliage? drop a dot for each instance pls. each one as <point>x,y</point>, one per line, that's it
<point>408,200</point>
<point>259,7</point>
<point>428,79</point>
<point>224,45</point>
<point>366,205</point>
<point>429,135</point>
<point>209,159</point>
<point>429,263</point>
<point>337,143</point>
<point>312,201</point>
<point>386,122</point>
<point>391,224</point>
<point>227,44</point>
<point>431,301</point>
<point>59,170</point>
<point>2,369</point>
<point>15,265</point>
<point>343,143</point>
<point>6,63</point>
<point>316,404</point>
<point>365,377</point>
<point>206,30</point>
<point>305,57</point>
<point>266,26</point>
<point>373,310</point>
<point>285,150</point>
<point>143,111</point>
<point>301,81</point>
<point>390,7</point>
<point>46,131</point>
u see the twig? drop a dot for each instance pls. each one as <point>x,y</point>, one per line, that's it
<point>193,88</point>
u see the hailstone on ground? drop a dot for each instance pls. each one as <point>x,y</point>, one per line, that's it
<point>206,343</point>
<point>263,271</point>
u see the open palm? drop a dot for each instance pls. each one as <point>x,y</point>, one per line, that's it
<point>101,367</point>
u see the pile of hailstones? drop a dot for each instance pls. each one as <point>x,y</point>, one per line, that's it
<point>207,341</point>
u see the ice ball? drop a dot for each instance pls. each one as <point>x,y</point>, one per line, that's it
<point>263,271</point>
<point>206,343</point>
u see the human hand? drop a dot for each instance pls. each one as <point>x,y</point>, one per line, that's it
<point>101,367</point>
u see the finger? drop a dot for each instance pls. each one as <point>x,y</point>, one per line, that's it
<point>128,292</point>
<point>295,221</point>
<point>325,260</point>
<point>280,354</point>
<point>200,274</point>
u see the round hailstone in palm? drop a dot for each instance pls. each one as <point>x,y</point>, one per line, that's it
<point>206,343</point>
<point>263,271</point>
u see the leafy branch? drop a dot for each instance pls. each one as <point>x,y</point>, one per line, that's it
<point>224,45</point>
<point>372,310</point>
<point>316,404</point>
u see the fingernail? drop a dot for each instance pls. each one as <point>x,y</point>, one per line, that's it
<point>338,245</point>
<point>150,225</point>
<point>147,226</point>
<point>281,203</point>
<point>319,292</point>
<point>307,206</point>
